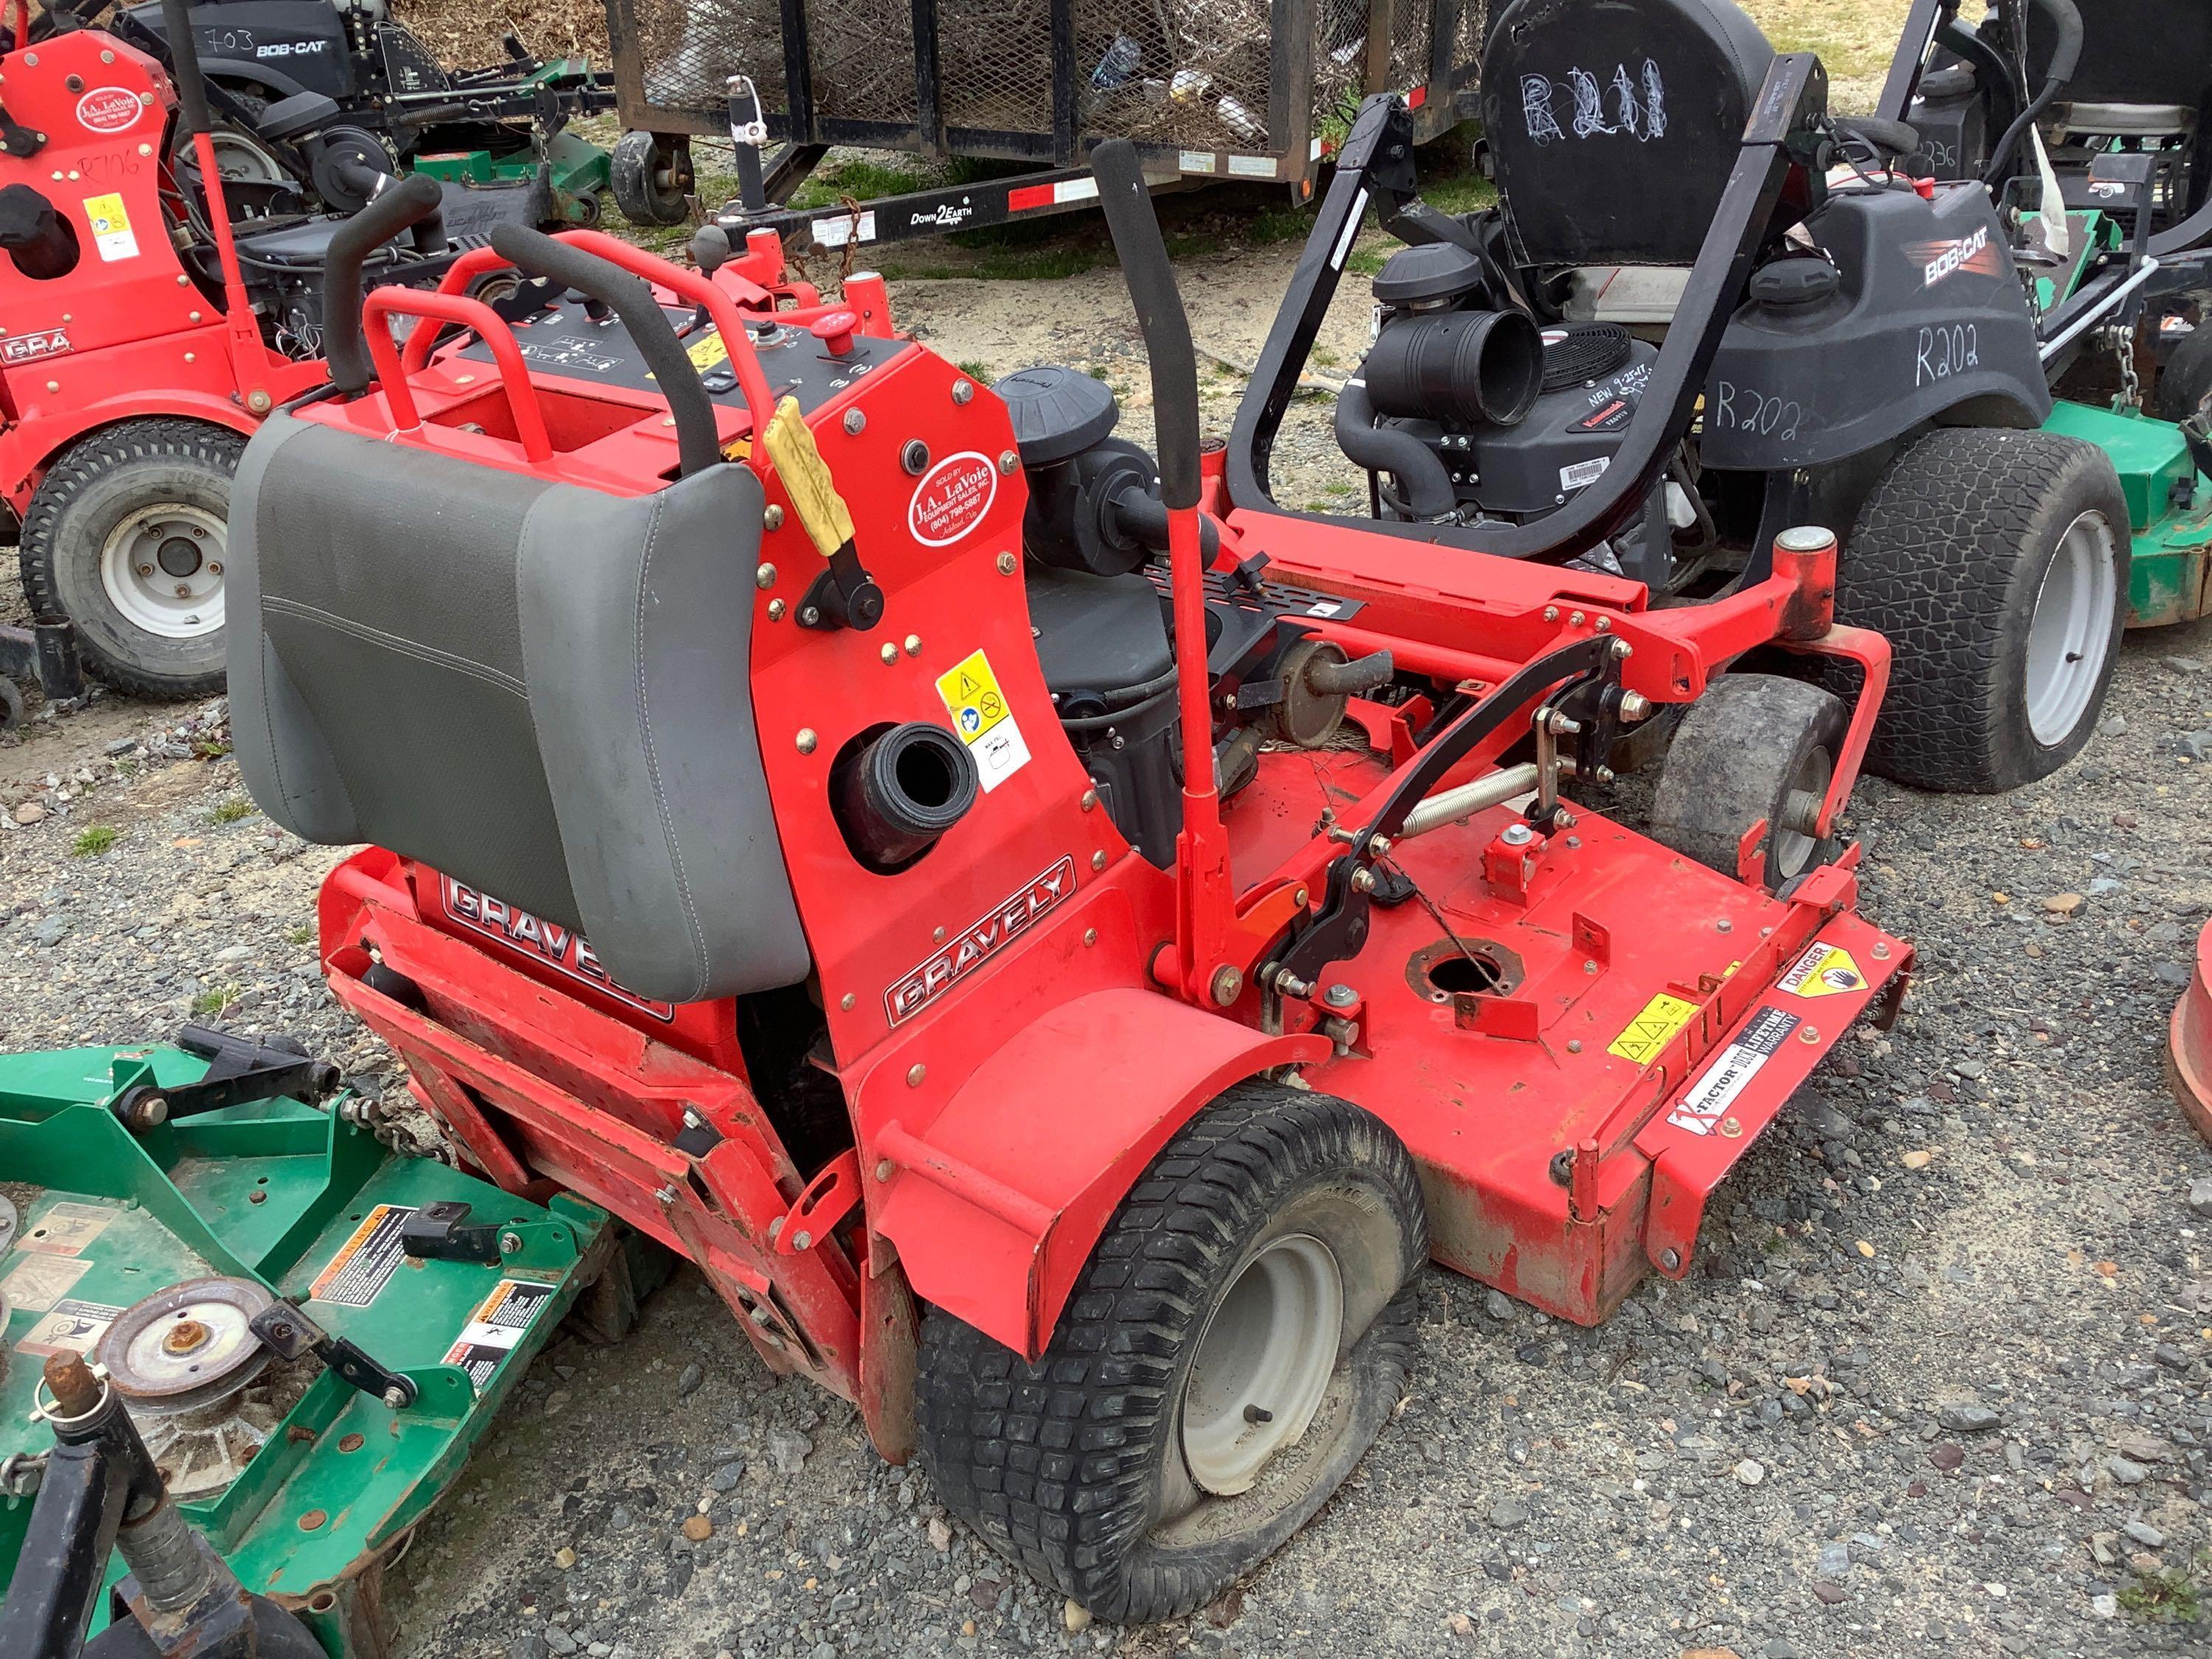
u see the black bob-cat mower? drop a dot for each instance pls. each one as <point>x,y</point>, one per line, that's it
<point>1770,323</point>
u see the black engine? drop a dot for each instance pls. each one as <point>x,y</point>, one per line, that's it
<point>1469,412</point>
<point>1099,605</point>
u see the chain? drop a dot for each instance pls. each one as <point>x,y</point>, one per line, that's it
<point>2122,341</point>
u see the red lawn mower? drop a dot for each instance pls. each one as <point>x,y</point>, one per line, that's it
<point>885,840</point>
<point>155,312</point>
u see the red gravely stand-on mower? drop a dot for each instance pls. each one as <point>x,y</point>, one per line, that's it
<point>1082,1115</point>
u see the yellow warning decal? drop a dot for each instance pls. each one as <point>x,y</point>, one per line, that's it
<point>972,697</point>
<point>111,226</point>
<point>1651,1030</point>
<point>710,353</point>
<point>1824,970</point>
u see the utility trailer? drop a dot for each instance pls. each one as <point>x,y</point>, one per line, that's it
<point>1258,90</point>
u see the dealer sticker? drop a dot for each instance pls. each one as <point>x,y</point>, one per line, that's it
<point>1651,1031</point>
<point>1824,970</point>
<point>984,722</point>
<point>111,228</point>
<point>952,498</point>
<point>1718,1085</point>
<point>495,1328</point>
<point>109,110</point>
<point>365,1263</point>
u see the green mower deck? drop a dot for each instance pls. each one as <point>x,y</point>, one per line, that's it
<point>579,172</point>
<point>2170,506</point>
<point>307,1203</point>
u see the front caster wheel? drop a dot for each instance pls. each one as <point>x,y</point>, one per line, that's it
<point>1754,747</point>
<point>650,174</point>
<point>1236,1341</point>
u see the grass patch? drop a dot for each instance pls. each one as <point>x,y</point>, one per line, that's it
<point>214,999</point>
<point>91,842</point>
<point>976,370</point>
<point>1465,192</point>
<point>1278,224</point>
<point>2163,1598</point>
<point>231,811</point>
<point>300,936</point>
<point>1367,261</point>
<point>858,178</point>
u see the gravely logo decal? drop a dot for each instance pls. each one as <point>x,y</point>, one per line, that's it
<point>977,945</point>
<point>108,109</point>
<point>558,947</point>
<point>27,347</point>
<point>1939,260</point>
<point>952,498</point>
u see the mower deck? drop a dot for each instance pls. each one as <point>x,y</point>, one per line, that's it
<point>307,1205</point>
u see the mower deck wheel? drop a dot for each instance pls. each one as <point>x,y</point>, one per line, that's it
<point>1754,747</point>
<point>125,537</point>
<point>1996,563</point>
<point>650,174</point>
<point>1237,1340</point>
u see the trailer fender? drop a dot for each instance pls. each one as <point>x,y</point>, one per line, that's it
<point>995,1201</point>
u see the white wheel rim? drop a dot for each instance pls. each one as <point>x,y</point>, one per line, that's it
<point>162,569</point>
<point>2070,637</point>
<point>239,160</point>
<point>1263,1363</point>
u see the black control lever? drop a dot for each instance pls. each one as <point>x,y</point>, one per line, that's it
<point>289,1334</point>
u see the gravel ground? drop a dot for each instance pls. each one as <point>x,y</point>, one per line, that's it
<point>1941,1387</point>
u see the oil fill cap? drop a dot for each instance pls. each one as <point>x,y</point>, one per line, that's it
<point>1787,284</point>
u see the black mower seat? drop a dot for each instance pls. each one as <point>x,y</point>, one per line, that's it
<point>1613,124</point>
<point>2135,53</point>
<point>538,690</point>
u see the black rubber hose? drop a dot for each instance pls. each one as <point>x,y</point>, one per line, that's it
<point>697,444</point>
<point>404,204</point>
<point>1419,471</point>
<point>2065,59</point>
<point>184,65</point>
<point>1144,266</point>
<point>1893,140</point>
<point>1144,518</point>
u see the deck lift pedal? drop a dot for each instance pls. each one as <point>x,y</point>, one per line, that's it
<point>861,931</point>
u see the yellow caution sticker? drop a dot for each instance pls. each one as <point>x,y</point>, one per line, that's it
<point>710,353</point>
<point>111,226</point>
<point>985,723</point>
<point>1651,1031</point>
<point>1824,970</point>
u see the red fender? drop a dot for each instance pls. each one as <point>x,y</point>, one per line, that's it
<point>995,1204</point>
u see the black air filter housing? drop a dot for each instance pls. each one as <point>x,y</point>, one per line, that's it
<point>1434,274</point>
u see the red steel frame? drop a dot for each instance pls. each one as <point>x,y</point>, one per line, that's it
<point>1080,1018</point>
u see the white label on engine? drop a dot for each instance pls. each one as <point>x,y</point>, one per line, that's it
<point>1582,474</point>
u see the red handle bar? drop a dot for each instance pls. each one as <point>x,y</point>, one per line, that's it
<point>514,374</point>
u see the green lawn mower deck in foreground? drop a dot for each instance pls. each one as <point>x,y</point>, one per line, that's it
<point>307,1204</point>
<point>2169,504</point>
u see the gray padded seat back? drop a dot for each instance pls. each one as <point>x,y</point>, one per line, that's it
<point>540,690</point>
<point>1614,124</point>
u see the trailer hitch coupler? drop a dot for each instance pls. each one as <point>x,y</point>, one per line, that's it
<point>1806,557</point>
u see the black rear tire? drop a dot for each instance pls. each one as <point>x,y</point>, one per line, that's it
<point>90,495</point>
<point>650,174</point>
<point>1086,1467</point>
<point>1951,558</point>
<point>1754,747</point>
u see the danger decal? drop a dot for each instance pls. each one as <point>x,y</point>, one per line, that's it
<point>496,1329</point>
<point>952,498</point>
<point>562,949</point>
<point>1824,970</point>
<point>978,943</point>
<point>109,110</point>
<point>40,343</point>
<point>1941,261</point>
<point>1720,1083</point>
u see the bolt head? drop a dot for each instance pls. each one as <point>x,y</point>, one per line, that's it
<point>1670,1259</point>
<point>394,1398</point>
<point>1090,936</point>
<point>510,1243</point>
<point>1006,564</point>
<point>801,1240</point>
<point>1551,613</point>
<point>807,740</point>
<point>847,1001</point>
<point>1228,985</point>
<point>765,576</point>
<point>1008,461</point>
<point>963,391</point>
<point>913,643</point>
<point>773,519</point>
<point>1089,799</point>
<point>1340,995</point>
<point>914,1073</point>
<point>856,421</point>
<point>882,1168</point>
<point>1517,835</point>
<point>890,652</point>
<point>775,609</point>
<point>1098,860</point>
